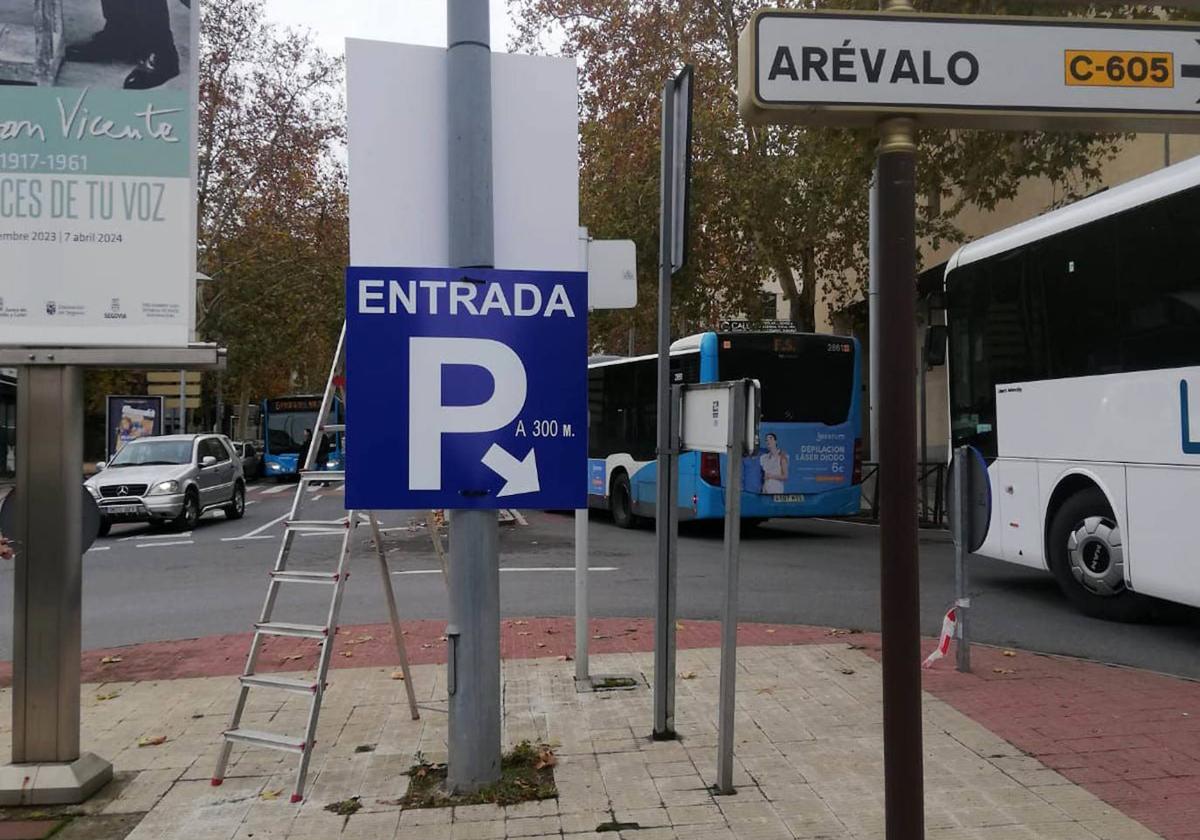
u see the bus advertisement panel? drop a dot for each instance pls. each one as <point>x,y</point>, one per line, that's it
<point>808,461</point>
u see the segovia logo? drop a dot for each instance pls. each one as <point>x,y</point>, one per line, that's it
<point>115,312</point>
<point>51,307</point>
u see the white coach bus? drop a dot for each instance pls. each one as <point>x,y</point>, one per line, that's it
<point>1075,367</point>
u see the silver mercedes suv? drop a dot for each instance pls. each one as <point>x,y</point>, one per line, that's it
<point>169,480</point>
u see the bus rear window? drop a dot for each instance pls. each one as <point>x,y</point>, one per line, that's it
<point>804,379</point>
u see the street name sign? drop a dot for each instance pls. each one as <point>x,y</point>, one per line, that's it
<point>957,71</point>
<point>466,388</point>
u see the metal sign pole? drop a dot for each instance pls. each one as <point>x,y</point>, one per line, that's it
<point>962,604</point>
<point>899,582</point>
<point>473,744</point>
<point>729,613</point>
<point>664,625</point>
<point>581,596</point>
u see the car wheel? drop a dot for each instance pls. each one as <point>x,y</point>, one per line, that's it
<point>105,526</point>
<point>1087,556</point>
<point>620,501</point>
<point>237,506</point>
<point>190,514</point>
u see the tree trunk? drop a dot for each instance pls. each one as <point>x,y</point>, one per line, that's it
<point>243,411</point>
<point>807,318</point>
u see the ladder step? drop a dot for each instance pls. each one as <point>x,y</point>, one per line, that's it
<point>306,577</point>
<point>281,683</point>
<point>325,526</point>
<point>270,740</point>
<point>322,475</point>
<point>301,631</point>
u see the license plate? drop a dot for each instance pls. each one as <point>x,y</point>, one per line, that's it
<point>122,509</point>
<point>787,497</point>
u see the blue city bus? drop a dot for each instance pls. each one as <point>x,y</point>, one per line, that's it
<point>809,458</point>
<point>285,420</point>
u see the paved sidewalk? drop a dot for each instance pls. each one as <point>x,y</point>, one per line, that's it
<point>809,759</point>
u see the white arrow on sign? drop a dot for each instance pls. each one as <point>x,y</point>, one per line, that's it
<point>519,476</point>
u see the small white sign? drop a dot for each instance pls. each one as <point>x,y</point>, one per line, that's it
<point>849,68</point>
<point>611,265</point>
<point>705,424</point>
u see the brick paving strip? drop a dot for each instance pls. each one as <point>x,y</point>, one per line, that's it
<point>1129,737</point>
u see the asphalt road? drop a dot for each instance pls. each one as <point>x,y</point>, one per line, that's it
<point>145,586</point>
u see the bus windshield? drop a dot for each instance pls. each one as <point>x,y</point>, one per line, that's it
<point>804,378</point>
<point>285,431</point>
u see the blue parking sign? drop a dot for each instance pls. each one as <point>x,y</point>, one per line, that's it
<point>465,388</point>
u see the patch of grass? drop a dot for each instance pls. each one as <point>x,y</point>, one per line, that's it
<point>616,682</point>
<point>526,774</point>
<point>344,808</point>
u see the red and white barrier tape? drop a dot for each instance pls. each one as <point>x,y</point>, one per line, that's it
<point>949,631</point>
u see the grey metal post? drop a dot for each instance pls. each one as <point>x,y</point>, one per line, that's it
<point>873,315</point>
<point>665,515</point>
<point>923,421</point>
<point>962,603</point>
<point>581,595</point>
<point>47,595</point>
<point>473,744</point>
<point>729,613</point>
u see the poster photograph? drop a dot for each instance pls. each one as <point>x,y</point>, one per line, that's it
<point>97,209</point>
<point>130,418</point>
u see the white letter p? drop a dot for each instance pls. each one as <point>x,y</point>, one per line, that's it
<point>428,419</point>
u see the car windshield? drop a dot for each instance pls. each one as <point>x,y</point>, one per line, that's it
<point>140,453</point>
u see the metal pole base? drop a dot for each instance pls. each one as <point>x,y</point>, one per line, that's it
<point>59,783</point>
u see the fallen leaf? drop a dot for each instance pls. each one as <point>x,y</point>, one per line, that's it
<point>546,758</point>
<point>678,625</point>
<point>601,636</point>
<point>523,633</point>
<point>550,631</point>
<point>1003,671</point>
<point>541,644</point>
<point>631,629</point>
<point>770,629</point>
<point>426,646</point>
<point>847,671</point>
<point>520,623</point>
<point>1010,653</point>
<point>765,691</point>
<point>348,653</point>
<point>271,794</point>
<point>566,658</point>
<point>689,675</point>
<point>837,631</point>
<point>397,675</point>
<point>152,741</point>
<point>110,660</point>
<point>362,639</point>
<point>110,696</point>
<point>441,638</point>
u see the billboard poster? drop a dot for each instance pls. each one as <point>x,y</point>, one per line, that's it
<point>97,163</point>
<point>130,418</point>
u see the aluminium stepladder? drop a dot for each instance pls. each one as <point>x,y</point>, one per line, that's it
<point>325,633</point>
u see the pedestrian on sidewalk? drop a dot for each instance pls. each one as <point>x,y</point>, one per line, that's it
<point>6,549</point>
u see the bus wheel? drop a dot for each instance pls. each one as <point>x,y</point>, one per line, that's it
<point>620,501</point>
<point>1087,557</point>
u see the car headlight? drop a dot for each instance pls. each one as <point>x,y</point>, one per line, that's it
<point>164,488</point>
<point>329,465</point>
<point>93,490</point>
<point>273,466</point>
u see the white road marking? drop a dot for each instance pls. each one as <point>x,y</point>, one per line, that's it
<point>515,569</point>
<point>278,488</point>
<point>260,537</point>
<point>251,502</point>
<point>164,544</point>
<point>98,548</point>
<point>259,529</point>
<point>157,537</point>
